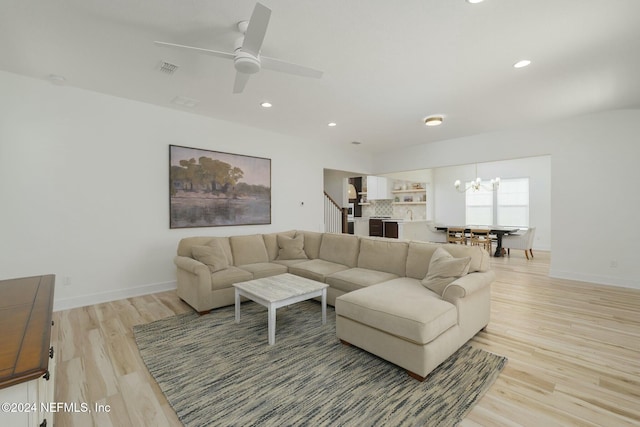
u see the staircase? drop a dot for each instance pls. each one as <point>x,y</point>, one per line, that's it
<point>335,216</point>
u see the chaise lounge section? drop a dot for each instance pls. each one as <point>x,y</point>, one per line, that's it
<point>411,303</point>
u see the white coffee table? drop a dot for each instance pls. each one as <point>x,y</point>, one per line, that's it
<point>279,291</point>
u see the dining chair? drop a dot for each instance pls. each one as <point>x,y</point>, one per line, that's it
<point>456,235</point>
<point>522,241</point>
<point>480,237</point>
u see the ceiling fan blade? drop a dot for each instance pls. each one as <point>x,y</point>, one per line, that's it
<point>256,30</point>
<point>240,82</point>
<point>287,67</point>
<point>210,52</point>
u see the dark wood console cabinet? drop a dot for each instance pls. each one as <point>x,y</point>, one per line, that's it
<point>27,359</point>
<point>391,229</point>
<point>375,227</point>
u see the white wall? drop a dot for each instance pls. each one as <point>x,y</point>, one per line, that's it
<point>450,204</point>
<point>336,185</point>
<point>84,187</point>
<point>594,169</point>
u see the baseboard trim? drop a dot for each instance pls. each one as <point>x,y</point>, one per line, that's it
<point>118,294</point>
<point>599,280</point>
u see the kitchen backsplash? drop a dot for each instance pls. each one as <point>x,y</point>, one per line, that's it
<point>382,208</point>
<point>386,208</point>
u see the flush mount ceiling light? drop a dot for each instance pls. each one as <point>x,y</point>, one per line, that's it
<point>332,124</point>
<point>266,105</point>
<point>522,63</point>
<point>433,120</point>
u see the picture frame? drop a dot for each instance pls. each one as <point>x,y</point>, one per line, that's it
<point>214,188</point>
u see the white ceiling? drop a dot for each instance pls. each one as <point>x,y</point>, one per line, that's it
<point>387,64</point>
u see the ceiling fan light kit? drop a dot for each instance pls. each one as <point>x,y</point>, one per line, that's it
<point>246,56</point>
<point>246,63</point>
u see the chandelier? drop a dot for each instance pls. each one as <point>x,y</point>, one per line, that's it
<point>477,184</point>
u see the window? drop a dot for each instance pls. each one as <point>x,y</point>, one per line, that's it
<point>513,202</point>
<point>509,206</point>
<point>479,205</point>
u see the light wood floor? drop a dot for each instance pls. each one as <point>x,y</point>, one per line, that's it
<point>573,349</point>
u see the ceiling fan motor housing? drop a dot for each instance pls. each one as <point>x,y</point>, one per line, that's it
<point>246,63</point>
<point>246,55</point>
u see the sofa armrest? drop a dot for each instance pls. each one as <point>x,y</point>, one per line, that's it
<point>194,283</point>
<point>191,265</point>
<point>467,285</point>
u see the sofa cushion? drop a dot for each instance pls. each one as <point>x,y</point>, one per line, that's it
<point>340,249</point>
<point>291,247</point>
<point>264,269</point>
<point>480,258</point>
<point>444,269</point>
<point>356,278</point>
<point>419,256</point>
<point>248,249</point>
<point>223,279</point>
<point>312,241</point>
<point>316,269</point>
<point>400,307</point>
<point>271,242</point>
<point>383,255</point>
<point>212,255</point>
<point>289,262</point>
<point>185,244</point>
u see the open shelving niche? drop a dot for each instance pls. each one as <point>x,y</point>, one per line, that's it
<point>363,193</point>
<point>413,190</point>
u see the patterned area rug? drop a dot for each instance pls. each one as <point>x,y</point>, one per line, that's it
<point>215,372</point>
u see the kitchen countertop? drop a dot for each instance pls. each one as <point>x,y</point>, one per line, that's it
<point>366,218</point>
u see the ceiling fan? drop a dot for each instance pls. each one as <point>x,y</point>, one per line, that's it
<point>246,56</point>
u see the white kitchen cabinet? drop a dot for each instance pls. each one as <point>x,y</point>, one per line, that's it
<point>28,404</point>
<point>378,188</point>
<point>361,227</point>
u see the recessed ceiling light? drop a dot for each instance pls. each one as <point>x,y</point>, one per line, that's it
<point>57,80</point>
<point>522,63</point>
<point>474,1</point>
<point>332,124</point>
<point>183,101</point>
<point>266,105</point>
<point>434,120</point>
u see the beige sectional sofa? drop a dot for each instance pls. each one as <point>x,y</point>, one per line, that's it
<point>409,302</point>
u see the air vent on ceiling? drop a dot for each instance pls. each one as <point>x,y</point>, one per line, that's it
<point>168,68</point>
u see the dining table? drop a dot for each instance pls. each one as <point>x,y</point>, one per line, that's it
<point>497,230</point>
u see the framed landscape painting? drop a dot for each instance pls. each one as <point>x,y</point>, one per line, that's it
<point>212,188</point>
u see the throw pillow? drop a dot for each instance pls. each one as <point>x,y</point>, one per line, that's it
<point>213,256</point>
<point>291,247</point>
<point>444,269</point>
